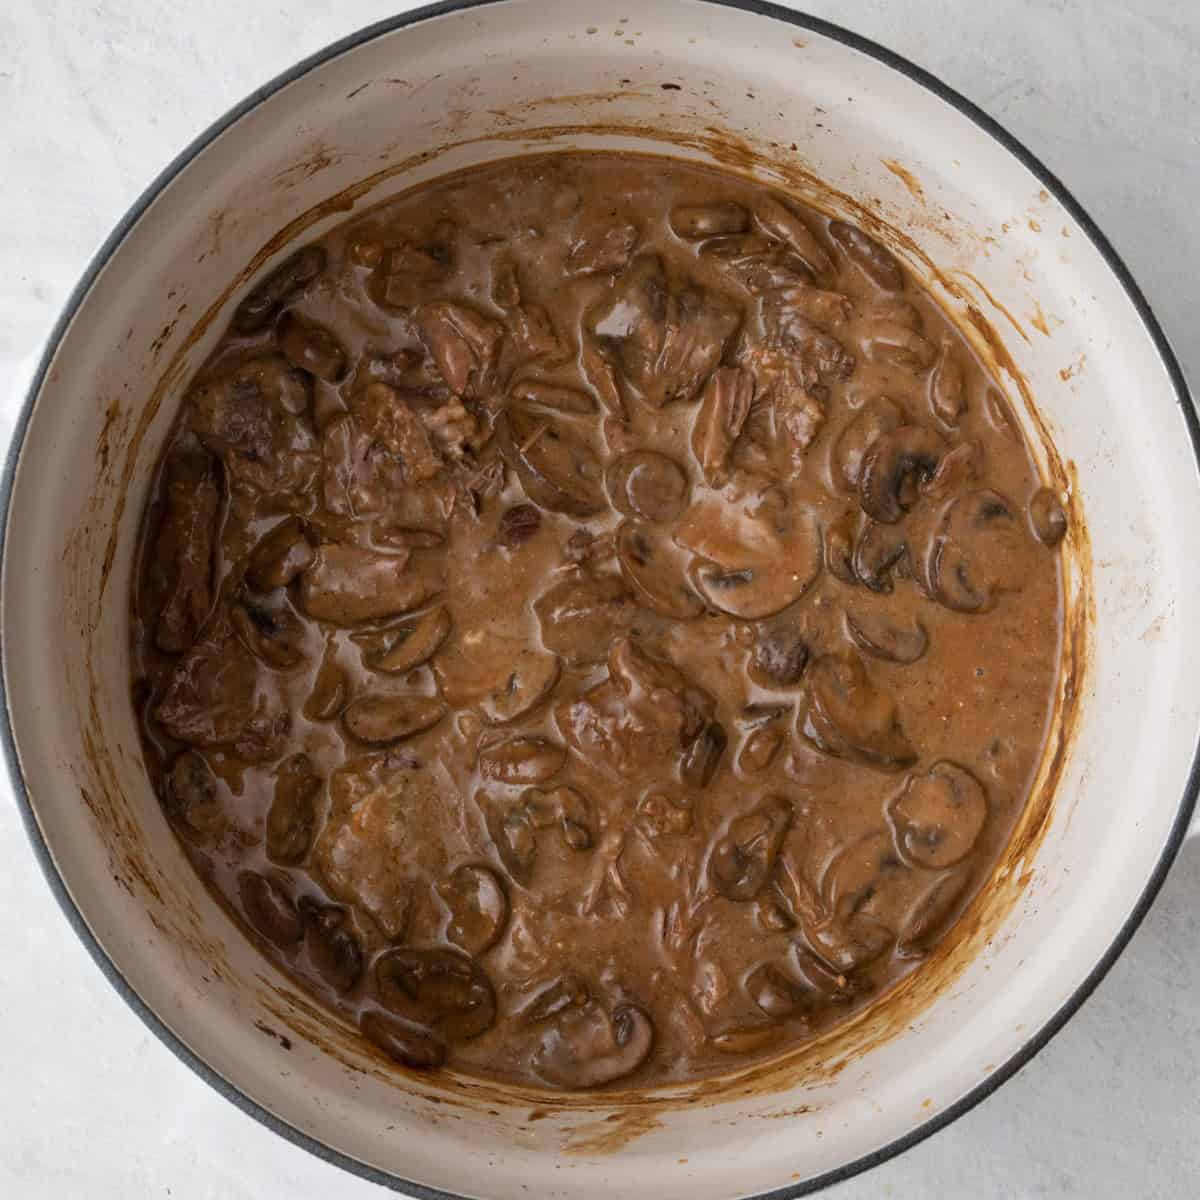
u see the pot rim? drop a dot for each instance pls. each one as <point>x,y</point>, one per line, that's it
<point>110,246</point>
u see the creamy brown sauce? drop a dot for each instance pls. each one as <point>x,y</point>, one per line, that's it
<point>597,621</point>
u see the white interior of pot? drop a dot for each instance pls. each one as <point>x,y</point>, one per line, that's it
<point>491,73</point>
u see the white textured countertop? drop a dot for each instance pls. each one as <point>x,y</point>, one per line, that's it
<point>95,98</point>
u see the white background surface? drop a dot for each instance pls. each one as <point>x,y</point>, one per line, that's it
<point>96,98</point>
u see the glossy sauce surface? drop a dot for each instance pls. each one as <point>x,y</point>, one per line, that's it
<point>597,621</point>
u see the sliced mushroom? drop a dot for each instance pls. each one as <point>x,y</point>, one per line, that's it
<point>695,221</point>
<point>894,467</point>
<point>1047,517</point>
<point>876,417</point>
<point>478,907</point>
<point>588,1048</point>
<point>744,856</point>
<point>752,592</point>
<point>724,406</point>
<point>937,817</point>
<point>744,1037</point>
<point>852,942</point>
<point>646,484</point>
<point>581,616</point>
<point>395,652</point>
<point>759,750</point>
<point>408,1044</point>
<point>981,550</point>
<point>258,309</point>
<point>271,632</point>
<point>529,682</point>
<point>1000,415</point>
<point>777,993</point>
<point>652,568</point>
<point>931,913</point>
<point>190,797</point>
<point>758,263</point>
<point>282,554</point>
<point>521,760</point>
<point>329,690</point>
<point>553,396</point>
<point>557,471</point>
<point>292,815</point>
<point>442,990</point>
<point>311,347</point>
<point>330,943</point>
<point>380,720</point>
<point>879,634</point>
<point>957,468</point>
<point>348,584</point>
<point>880,552</point>
<point>947,390</point>
<point>703,755</point>
<point>777,220</point>
<point>840,537</point>
<point>847,716</point>
<point>567,991</point>
<point>865,880</point>
<point>511,828</point>
<point>876,263</point>
<point>269,909</point>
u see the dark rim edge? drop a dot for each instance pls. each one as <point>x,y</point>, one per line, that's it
<point>74,301</point>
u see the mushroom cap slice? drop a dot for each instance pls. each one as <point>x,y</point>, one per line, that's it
<point>380,720</point>
<point>754,592</point>
<point>347,584</point>
<point>885,637</point>
<point>894,467</point>
<point>478,907</point>
<point>582,615</point>
<point>408,1044</point>
<point>558,471</point>
<point>936,817</point>
<point>653,570</point>
<point>847,716</point>
<point>876,417</point>
<point>587,1048</point>
<point>646,484</point>
<point>530,680</point>
<point>438,989</point>
<point>755,555</point>
<point>504,676</point>
<point>396,651</point>
<point>981,549</point>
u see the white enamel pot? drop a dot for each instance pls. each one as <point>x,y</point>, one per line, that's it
<point>762,90</point>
